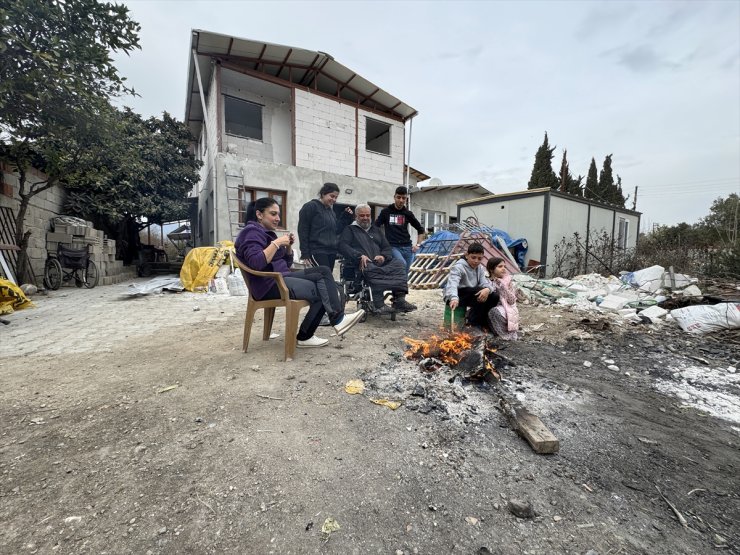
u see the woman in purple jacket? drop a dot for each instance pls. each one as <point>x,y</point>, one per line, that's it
<point>259,247</point>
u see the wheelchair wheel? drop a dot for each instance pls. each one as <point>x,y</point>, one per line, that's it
<point>52,274</point>
<point>91,275</point>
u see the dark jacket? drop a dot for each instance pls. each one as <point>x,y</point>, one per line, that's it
<point>396,223</point>
<point>318,228</point>
<point>355,241</point>
<point>250,244</point>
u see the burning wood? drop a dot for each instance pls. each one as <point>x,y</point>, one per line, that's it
<point>474,359</point>
<point>464,352</point>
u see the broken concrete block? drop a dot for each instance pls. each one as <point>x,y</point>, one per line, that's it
<point>613,303</point>
<point>654,313</point>
<point>627,312</point>
<point>690,291</point>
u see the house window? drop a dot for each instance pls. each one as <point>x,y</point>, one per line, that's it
<point>243,119</point>
<point>247,195</point>
<point>377,136</point>
<point>432,221</point>
<point>624,227</point>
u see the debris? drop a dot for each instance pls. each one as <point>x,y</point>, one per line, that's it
<point>701,319</point>
<point>270,398</point>
<point>520,508</point>
<point>613,367</point>
<point>255,368</point>
<point>330,525</point>
<point>393,405</point>
<point>557,518</point>
<point>354,387</point>
<point>471,520</point>
<point>654,313</point>
<point>647,441</point>
<point>587,363</point>
<point>695,490</point>
<point>680,517</point>
<point>168,388</point>
<point>73,520</point>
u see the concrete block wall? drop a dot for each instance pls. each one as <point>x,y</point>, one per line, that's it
<point>372,165</point>
<point>41,209</point>
<point>324,134</point>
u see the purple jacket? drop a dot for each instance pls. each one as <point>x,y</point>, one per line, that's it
<point>250,244</point>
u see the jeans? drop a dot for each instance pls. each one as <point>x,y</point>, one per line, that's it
<point>405,255</point>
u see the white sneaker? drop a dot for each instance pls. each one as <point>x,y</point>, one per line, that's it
<point>348,322</point>
<point>312,342</point>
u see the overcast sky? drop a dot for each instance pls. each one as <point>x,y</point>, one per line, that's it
<point>656,84</point>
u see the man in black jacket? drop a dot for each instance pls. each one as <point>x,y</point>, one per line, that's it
<point>365,246</point>
<point>395,220</point>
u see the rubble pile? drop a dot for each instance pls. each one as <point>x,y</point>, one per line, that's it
<point>644,296</point>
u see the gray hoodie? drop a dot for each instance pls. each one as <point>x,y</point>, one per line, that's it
<point>462,275</point>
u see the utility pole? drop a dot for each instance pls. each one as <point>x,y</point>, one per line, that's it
<point>634,200</point>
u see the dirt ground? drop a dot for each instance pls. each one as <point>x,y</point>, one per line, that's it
<point>138,426</point>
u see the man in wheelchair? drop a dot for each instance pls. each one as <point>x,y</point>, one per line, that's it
<point>366,249</point>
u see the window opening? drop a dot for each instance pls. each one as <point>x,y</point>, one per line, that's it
<point>247,195</point>
<point>377,136</point>
<point>243,118</point>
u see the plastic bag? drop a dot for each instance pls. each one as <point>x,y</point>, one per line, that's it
<point>701,318</point>
<point>236,285</point>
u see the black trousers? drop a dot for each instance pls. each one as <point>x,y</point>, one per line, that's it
<point>317,286</point>
<point>327,260</point>
<point>478,312</point>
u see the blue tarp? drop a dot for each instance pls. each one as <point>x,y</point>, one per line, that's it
<point>442,242</point>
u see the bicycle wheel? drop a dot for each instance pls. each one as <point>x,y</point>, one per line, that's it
<point>91,275</point>
<point>52,274</point>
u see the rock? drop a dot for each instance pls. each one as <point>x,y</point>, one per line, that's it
<point>419,391</point>
<point>520,508</point>
<point>162,530</point>
<point>608,361</point>
<point>731,369</point>
<point>587,363</point>
<point>139,449</point>
<point>557,518</point>
<point>613,367</point>
<point>196,308</point>
<point>29,289</point>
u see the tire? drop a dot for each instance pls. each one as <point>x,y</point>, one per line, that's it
<point>53,274</point>
<point>91,274</point>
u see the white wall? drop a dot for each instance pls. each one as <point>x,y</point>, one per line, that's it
<point>520,218</point>
<point>566,218</point>
<point>325,134</point>
<point>439,201</point>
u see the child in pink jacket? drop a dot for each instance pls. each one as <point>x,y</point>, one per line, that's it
<point>504,317</point>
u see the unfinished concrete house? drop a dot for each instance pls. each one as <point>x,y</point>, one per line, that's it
<point>279,121</point>
<point>545,218</point>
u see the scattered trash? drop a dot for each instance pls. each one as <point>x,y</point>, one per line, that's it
<point>168,388</point>
<point>393,405</point>
<point>354,387</point>
<point>330,525</point>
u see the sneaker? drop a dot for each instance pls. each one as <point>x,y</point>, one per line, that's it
<point>348,322</point>
<point>312,342</point>
<point>380,311</point>
<point>403,305</point>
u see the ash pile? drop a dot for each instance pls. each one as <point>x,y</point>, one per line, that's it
<point>453,376</point>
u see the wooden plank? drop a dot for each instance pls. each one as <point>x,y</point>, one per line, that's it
<point>531,428</point>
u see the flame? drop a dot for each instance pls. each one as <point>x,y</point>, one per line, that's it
<point>446,349</point>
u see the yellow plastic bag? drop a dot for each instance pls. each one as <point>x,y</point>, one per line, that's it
<point>201,264</point>
<point>11,297</point>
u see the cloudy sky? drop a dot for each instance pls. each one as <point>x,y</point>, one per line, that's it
<point>656,84</point>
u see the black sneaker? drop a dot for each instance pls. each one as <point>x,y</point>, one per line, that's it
<point>403,306</point>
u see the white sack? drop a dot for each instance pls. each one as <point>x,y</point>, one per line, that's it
<point>701,318</point>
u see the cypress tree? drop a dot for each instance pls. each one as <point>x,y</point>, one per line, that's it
<point>565,178</point>
<point>576,187</point>
<point>542,174</point>
<point>592,182</point>
<point>607,188</point>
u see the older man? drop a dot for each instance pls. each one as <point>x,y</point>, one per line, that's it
<point>364,245</point>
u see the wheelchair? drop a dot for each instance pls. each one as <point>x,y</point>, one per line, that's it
<point>69,264</point>
<point>353,287</point>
